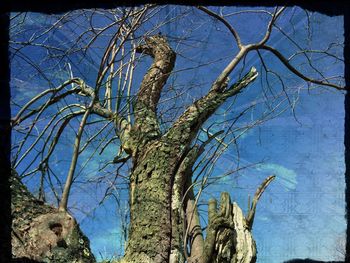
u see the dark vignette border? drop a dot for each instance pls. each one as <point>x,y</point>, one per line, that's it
<point>330,8</point>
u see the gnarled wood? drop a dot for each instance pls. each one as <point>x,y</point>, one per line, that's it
<point>42,233</point>
<point>187,125</point>
<point>146,126</point>
<point>229,239</point>
<point>160,212</point>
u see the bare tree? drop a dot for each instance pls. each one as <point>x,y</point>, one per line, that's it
<point>169,160</point>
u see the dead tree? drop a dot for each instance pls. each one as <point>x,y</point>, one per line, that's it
<point>164,219</point>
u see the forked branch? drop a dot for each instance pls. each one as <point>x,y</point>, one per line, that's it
<point>225,22</point>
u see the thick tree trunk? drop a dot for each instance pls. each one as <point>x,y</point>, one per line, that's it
<point>150,232</point>
<point>164,221</point>
<point>42,233</point>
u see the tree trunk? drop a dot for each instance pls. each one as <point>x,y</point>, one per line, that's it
<point>164,221</point>
<point>229,238</point>
<point>42,233</point>
<point>151,182</point>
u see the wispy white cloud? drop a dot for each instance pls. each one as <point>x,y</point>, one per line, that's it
<point>285,176</point>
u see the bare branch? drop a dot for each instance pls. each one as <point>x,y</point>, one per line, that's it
<point>17,119</point>
<point>285,61</point>
<point>66,119</point>
<point>276,14</point>
<point>222,78</point>
<point>65,195</point>
<point>225,22</point>
<point>30,148</point>
<point>113,49</point>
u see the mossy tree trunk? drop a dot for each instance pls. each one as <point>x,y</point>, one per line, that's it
<point>42,233</point>
<point>163,222</point>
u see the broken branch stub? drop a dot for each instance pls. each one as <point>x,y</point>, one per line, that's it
<point>229,238</point>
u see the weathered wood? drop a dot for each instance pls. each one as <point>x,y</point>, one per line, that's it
<point>161,214</point>
<point>42,233</point>
<point>229,239</point>
<point>151,183</point>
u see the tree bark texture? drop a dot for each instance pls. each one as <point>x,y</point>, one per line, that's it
<point>41,233</point>
<point>150,213</point>
<point>164,220</point>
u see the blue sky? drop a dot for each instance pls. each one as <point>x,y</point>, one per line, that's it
<point>302,212</point>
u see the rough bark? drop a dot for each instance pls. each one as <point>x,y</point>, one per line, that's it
<point>42,233</point>
<point>150,231</point>
<point>155,162</point>
<point>162,211</point>
<point>228,239</point>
